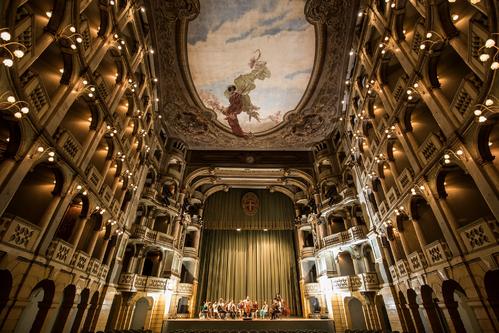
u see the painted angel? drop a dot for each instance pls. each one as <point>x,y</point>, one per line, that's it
<point>238,94</point>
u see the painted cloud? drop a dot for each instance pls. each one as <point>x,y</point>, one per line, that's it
<point>226,36</point>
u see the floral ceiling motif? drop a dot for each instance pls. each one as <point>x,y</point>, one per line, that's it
<point>251,74</point>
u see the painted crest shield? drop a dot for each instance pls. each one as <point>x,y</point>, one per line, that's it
<point>250,203</point>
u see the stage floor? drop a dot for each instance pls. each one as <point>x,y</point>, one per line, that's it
<point>288,325</point>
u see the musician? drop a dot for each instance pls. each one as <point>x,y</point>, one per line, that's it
<point>264,310</point>
<point>247,307</point>
<point>275,310</point>
<point>254,309</point>
<point>221,308</point>
<point>215,310</point>
<point>232,309</point>
<point>204,310</point>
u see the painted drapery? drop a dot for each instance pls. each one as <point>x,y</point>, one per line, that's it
<point>251,263</point>
<point>224,210</point>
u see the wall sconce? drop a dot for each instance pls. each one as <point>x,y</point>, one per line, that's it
<point>6,46</point>
<point>111,130</point>
<point>390,132</point>
<point>80,189</point>
<point>487,106</point>
<point>42,151</point>
<point>74,37</point>
<point>120,41</point>
<point>9,102</point>
<point>490,44</point>
<point>432,38</point>
<point>458,155</point>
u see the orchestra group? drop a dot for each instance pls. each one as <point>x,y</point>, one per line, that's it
<point>244,309</point>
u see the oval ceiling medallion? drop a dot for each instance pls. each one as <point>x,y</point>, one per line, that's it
<point>251,60</point>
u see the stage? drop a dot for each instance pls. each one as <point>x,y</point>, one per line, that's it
<point>291,325</point>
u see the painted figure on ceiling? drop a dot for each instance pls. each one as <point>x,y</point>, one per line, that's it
<point>238,94</point>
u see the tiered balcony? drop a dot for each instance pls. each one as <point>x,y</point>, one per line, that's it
<point>69,144</point>
<point>352,235</point>
<point>135,282</point>
<point>18,232</point>
<point>478,234</point>
<point>403,267</point>
<point>145,234</point>
<point>359,282</point>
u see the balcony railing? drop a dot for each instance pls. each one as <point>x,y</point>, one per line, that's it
<point>190,252</point>
<point>80,260</point>
<point>59,251</point>
<point>312,288</point>
<point>307,252</point>
<point>428,149</point>
<point>185,289</point>
<point>18,232</point>
<point>135,282</point>
<point>69,144</point>
<point>402,267</point>
<point>478,234</point>
<point>353,234</point>
<point>359,282</point>
<point>144,233</point>
<point>94,176</point>
<point>437,252</point>
<point>417,260</point>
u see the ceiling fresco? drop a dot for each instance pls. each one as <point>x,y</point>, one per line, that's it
<point>250,60</point>
<point>251,74</point>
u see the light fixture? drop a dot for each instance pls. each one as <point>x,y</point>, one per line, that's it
<point>432,38</point>
<point>238,229</point>
<point>490,44</point>
<point>9,102</point>
<point>11,50</point>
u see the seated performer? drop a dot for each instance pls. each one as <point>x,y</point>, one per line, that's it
<point>254,309</point>
<point>232,309</point>
<point>215,310</point>
<point>264,310</point>
<point>275,310</point>
<point>204,310</point>
<point>247,307</point>
<point>221,308</point>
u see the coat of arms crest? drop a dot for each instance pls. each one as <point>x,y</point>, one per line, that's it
<point>250,203</point>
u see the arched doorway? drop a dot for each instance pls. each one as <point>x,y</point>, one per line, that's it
<point>35,312</point>
<point>94,302</point>
<point>6,278</point>
<point>490,281</point>
<point>345,264</point>
<point>461,314</point>
<point>140,314</point>
<point>66,305</point>
<point>357,320</point>
<point>82,305</point>
<point>382,313</point>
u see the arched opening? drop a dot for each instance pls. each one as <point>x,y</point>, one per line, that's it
<point>408,234</point>
<point>369,262</point>
<point>412,297</point>
<point>126,200</point>
<point>456,302</point>
<point>187,271</point>
<point>490,281</point>
<point>6,278</point>
<point>462,196</point>
<point>433,311</point>
<point>82,306</point>
<point>44,182</point>
<point>488,143</point>
<point>35,312</point>
<point>309,271</point>
<point>140,314</point>
<point>336,224</point>
<point>152,262</point>
<point>77,209</point>
<point>162,224</point>
<point>345,264</point>
<point>68,298</point>
<point>113,313</point>
<point>89,320</point>
<point>183,305</point>
<point>382,313</point>
<point>356,314</point>
<point>422,214</point>
<point>91,231</point>
<point>10,138</point>
<point>127,259</point>
<point>405,313</point>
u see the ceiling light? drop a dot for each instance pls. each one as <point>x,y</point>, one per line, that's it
<point>238,229</point>
<point>455,17</point>
<point>8,62</point>
<point>49,14</point>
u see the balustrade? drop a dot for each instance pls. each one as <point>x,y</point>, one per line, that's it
<point>144,233</point>
<point>479,234</point>
<point>417,260</point>
<point>59,251</point>
<point>437,252</point>
<point>18,232</point>
<point>360,282</point>
<point>185,289</point>
<point>353,234</point>
<point>307,252</point>
<point>80,260</point>
<point>135,282</point>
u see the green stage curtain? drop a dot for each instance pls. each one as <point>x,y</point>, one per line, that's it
<point>257,264</point>
<point>224,211</point>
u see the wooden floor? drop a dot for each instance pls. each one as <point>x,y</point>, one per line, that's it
<point>289,325</point>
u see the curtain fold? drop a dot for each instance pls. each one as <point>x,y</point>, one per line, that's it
<point>250,263</point>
